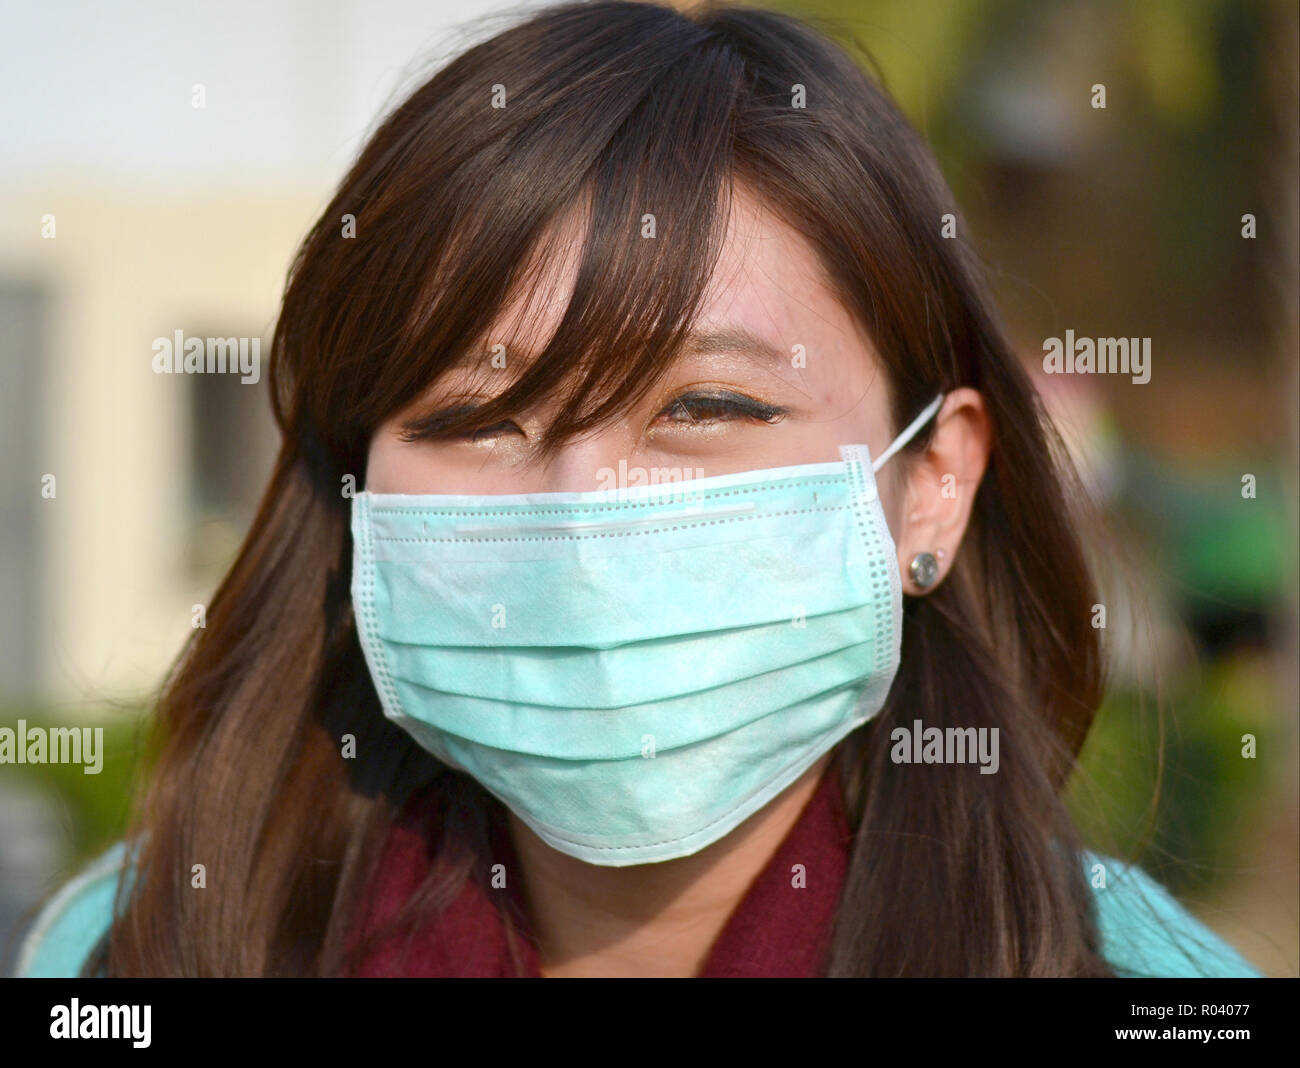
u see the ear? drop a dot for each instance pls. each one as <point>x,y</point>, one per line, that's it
<point>939,491</point>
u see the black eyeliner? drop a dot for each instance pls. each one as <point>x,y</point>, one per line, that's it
<point>738,401</point>
<point>433,425</point>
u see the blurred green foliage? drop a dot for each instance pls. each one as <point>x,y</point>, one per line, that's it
<point>1186,817</point>
<point>1169,50</point>
<point>92,809</point>
<point>1217,543</point>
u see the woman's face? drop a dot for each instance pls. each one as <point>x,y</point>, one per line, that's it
<point>778,373</point>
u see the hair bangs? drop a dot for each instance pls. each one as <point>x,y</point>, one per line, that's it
<point>629,253</point>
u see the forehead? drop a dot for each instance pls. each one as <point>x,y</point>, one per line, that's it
<point>769,278</point>
<point>769,298</point>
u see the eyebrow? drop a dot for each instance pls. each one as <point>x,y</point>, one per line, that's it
<point>710,341</point>
<point>730,340</point>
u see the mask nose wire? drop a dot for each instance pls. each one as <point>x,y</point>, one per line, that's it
<point>927,413</point>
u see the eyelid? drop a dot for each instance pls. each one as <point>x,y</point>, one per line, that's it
<point>425,427</point>
<point>728,398</point>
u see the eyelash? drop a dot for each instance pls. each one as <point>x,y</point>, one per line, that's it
<point>736,404</point>
<point>733,406</point>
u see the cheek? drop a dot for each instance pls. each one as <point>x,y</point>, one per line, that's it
<point>890,487</point>
<point>388,464</point>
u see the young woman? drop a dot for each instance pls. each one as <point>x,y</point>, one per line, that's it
<point>668,568</point>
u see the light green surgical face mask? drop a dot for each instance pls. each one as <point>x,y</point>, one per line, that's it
<point>634,672</point>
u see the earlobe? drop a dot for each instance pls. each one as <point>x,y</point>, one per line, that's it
<point>924,570</point>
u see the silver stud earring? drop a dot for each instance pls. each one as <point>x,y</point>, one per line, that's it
<point>924,569</point>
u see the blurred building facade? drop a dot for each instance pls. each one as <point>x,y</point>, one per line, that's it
<point>124,487</point>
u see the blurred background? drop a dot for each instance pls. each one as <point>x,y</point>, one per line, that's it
<point>129,213</point>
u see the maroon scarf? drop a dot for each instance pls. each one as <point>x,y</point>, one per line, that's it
<point>778,929</point>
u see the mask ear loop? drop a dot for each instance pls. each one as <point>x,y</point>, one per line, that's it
<point>909,433</point>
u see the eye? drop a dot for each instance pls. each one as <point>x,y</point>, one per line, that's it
<point>492,431</point>
<point>436,426</point>
<point>718,406</point>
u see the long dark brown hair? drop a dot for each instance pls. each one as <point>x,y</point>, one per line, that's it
<point>615,110</point>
